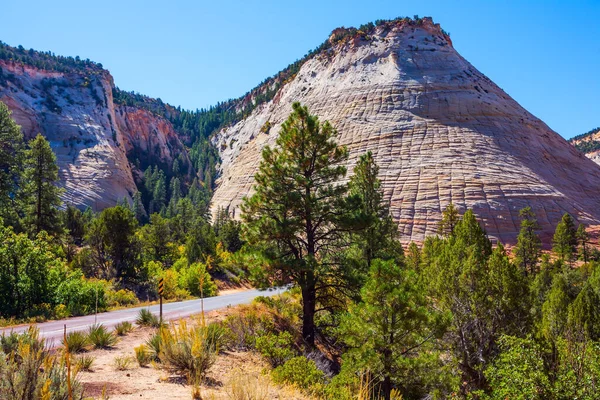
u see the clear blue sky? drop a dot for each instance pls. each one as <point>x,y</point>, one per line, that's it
<point>545,54</point>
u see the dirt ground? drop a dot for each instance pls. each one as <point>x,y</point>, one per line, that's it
<point>153,383</point>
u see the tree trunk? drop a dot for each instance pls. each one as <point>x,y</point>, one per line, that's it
<point>309,296</point>
<point>387,387</point>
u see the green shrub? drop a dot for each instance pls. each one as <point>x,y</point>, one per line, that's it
<point>186,351</point>
<point>215,335</point>
<point>192,277</point>
<point>302,373</point>
<point>154,346</point>
<point>76,342</point>
<point>123,328</point>
<point>276,349</point>
<point>29,371</point>
<point>143,355</point>
<point>247,323</point>
<point>85,362</point>
<point>79,294</point>
<point>146,318</point>
<point>100,337</point>
<point>122,297</point>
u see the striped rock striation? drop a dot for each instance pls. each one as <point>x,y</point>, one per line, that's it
<point>440,130</point>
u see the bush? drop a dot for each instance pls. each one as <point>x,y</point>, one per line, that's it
<point>143,355</point>
<point>123,363</point>
<point>154,346</point>
<point>76,342</point>
<point>276,349</point>
<point>215,335</point>
<point>100,337</point>
<point>121,297</point>
<point>79,294</point>
<point>186,351</point>
<point>302,373</point>
<point>192,277</point>
<point>85,362</point>
<point>29,371</point>
<point>146,318</point>
<point>123,328</point>
<point>247,323</point>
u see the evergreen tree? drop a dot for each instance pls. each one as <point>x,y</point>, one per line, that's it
<point>380,234</point>
<point>555,310</point>
<point>159,195</point>
<point>138,208</point>
<point>449,220</point>
<point>11,152</point>
<point>42,196</point>
<point>564,243</point>
<point>584,314</point>
<point>389,330</point>
<point>156,240</point>
<point>583,238</point>
<point>298,211</point>
<point>529,246</point>
<point>413,256</point>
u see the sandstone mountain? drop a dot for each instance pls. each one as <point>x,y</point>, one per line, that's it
<point>440,130</point>
<point>98,142</point>
<point>589,144</point>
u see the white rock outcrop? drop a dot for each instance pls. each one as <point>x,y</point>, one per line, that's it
<point>440,130</point>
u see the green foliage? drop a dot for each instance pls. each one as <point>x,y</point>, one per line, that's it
<point>143,355</point>
<point>528,249</point>
<point>80,295</point>
<point>298,209</point>
<point>194,278</point>
<point>555,309</point>
<point>28,370</point>
<point>123,328</point>
<point>100,337</point>
<point>564,242</point>
<point>584,314</point>
<point>115,247</point>
<point>302,373</point>
<point>85,362</point>
<point>11,152</point>
<point>29,272</point>
<point>121,297</point>
<point>146,318</point>
<point>187,351</point>
<point>391,330</point>
<point>76,342</point>
<point>276,348</point>
<point>481,288</point>
<point>42,196</point>
<point>450,218</point>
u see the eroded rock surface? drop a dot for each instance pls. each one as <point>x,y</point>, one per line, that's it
<point>440,130</point>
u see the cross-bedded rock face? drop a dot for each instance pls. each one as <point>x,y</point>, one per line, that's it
<point>91,136</point>
<point>440,130</point>
<point>589,144</point>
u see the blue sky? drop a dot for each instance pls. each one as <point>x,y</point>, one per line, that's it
<point>545,54</point>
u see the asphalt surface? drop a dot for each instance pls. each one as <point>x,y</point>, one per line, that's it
<point>52,331</point>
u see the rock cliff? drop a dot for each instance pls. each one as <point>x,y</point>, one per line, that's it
<point>589,144</point>
<point>98,143</point>
<point>441,132</point>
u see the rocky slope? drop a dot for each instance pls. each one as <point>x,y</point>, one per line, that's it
<point>98,143</point>
<point>589,144</point>
<point>441,131</point>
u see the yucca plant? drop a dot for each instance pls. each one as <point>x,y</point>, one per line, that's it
<point>123,328</point>
<point>123,363</point>
<point>146,318</point>
<point>100,337</point>
<point>187,351</point>
<point>154,346</point>
<point>77,342</point>
<point>85,362</point>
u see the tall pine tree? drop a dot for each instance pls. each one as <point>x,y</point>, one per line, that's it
<point>529,246</point>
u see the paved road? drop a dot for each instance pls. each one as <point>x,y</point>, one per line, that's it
<point>52,331</point>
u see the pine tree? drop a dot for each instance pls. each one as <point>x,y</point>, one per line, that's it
<point>390,328</point>
<point>528,249</point>
<point>584,314</point>
<point>564,242</point>
<point>298,211</point>
<point>555,310</point>
<point>379,237</point>
<point>449,220</point>
<point>159,195</point>
<point>42,196</point>
<point>138,208</point>
<point>11,152</point>
<point>583,238</point>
